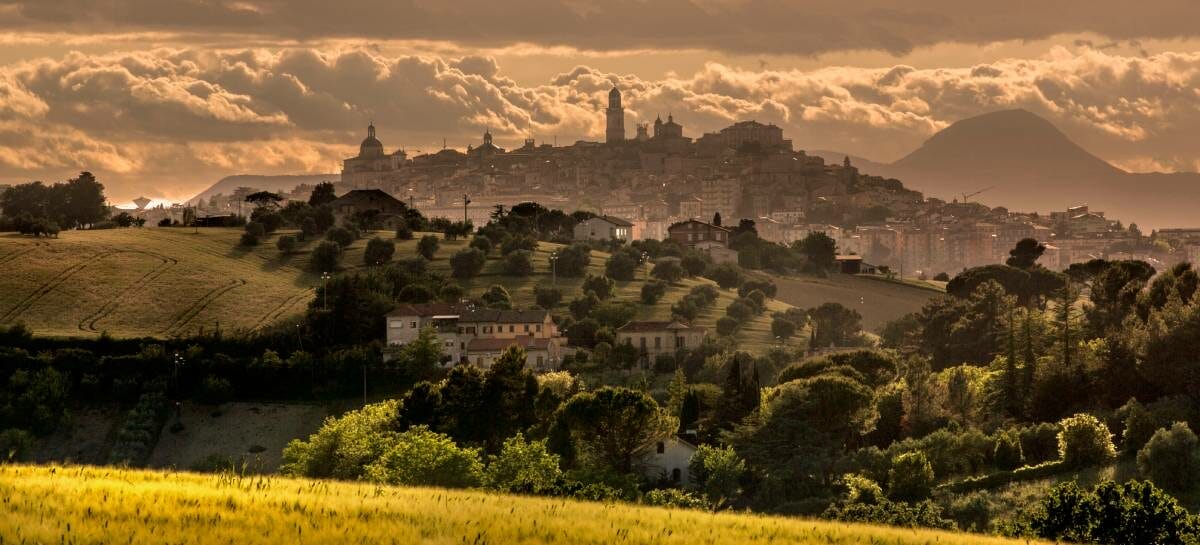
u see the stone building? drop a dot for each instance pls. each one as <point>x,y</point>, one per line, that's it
<point>372,164</point>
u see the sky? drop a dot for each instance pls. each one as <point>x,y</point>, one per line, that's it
<point>162,98</point>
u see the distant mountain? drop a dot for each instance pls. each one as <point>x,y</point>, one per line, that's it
<point>1030,165</point>
<point>229,184</point>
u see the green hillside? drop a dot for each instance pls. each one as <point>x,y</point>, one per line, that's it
<point>166,282</point>
<point>878,300</point>
<point>48,504</point>
<point>145,282</point>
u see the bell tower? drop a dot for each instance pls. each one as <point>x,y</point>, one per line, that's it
<point>615,117</point>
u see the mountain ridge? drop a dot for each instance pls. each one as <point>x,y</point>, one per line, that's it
<point>1023,162</point>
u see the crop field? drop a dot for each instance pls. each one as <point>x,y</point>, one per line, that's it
<point>879,301</point>
<point>146,282</point>
<point>55,504</point>
<point>168,282</point>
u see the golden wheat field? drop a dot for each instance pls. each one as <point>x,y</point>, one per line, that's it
<point>74,504</point>
<point>168,282</point>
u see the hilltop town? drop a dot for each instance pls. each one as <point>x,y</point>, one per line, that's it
<point>659,176</point>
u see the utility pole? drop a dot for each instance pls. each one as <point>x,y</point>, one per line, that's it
<point>466,201</point>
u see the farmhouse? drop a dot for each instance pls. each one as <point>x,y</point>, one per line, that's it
<point>691,232</point>
<point>603,228</point>
<point>366,201</point>
<point>669,460</point>
<point>479,336</point>
<point>655,338</point>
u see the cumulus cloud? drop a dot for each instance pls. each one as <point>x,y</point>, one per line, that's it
<point>177,119</point>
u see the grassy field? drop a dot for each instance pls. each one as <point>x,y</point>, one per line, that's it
<point>166,282</point>
<point>878,300</point>
<point>47,504</point>
<point>145,282</point>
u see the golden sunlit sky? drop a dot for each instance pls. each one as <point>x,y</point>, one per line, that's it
<point>163,98</point>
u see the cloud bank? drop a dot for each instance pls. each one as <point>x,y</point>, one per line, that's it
<point>168,122</point>
<point>757,26</point>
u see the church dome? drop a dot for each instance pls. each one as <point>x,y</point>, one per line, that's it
<point>371,146</point>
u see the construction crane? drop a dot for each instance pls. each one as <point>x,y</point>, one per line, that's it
<point>967,196</point>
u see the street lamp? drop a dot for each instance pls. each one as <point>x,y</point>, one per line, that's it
<point>325,276</point>
<point>554,269</point>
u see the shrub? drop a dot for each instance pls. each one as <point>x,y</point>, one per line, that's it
<point>716,472</point>
<point>467,263</point>
<point>942,277</point>
<point>693,264</point>
<point>419,457</point>
<point>1171,458</point>
<point>518,263</point>
<point>428,246</point>
<point>573,260</point>
<point>726,275</point>
<point>652,291</point>
<point>481,243</point>
<point>667,270</point>
<point>740,309</point>
<point>520,242</point>
<point>254,233</point>
<point>378,251</point>
<point>1140,425</point>
<point>910,478</point>
<point>783,328</point>
<point>925,514</point>
<point>1110,513</point>
<point>766,286</point>
<point>523,467</point>
<point>286,244</point>
<point>497,297</point>
<point>325,257</point>
<point>214,391</point>
<point>1083,441</point>
<point>344,446</point>
<point>758,300</point>
<point>343,236</point>
<point>1039,442</point>
<point>403,231</point>
<point>602,286</point>
<point>15,445</point>
<point>674,497</point>
<point>727,326</point>
<point>1007,454</point>
<point>547,297</point>
<point>622,265</point>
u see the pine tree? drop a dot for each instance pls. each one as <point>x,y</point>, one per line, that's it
<point>689,411</point>
<point>676,391</point>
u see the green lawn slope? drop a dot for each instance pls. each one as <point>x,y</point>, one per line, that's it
<point>168,282</point>
<point>877,299</point>
<point>49,504</point>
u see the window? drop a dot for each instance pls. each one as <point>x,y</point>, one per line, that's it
<point>539,361</point>
<point>643,343</point>
<point>676,475</point>
<point>462,346</point>
<point>527,328</point>
<point>538,328</point>
<point>512,328</point>
<point>678,342</point>
<point>658,342</point>
<point>414,325</point>
<point>487,329</point>
<point>662,447</point>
